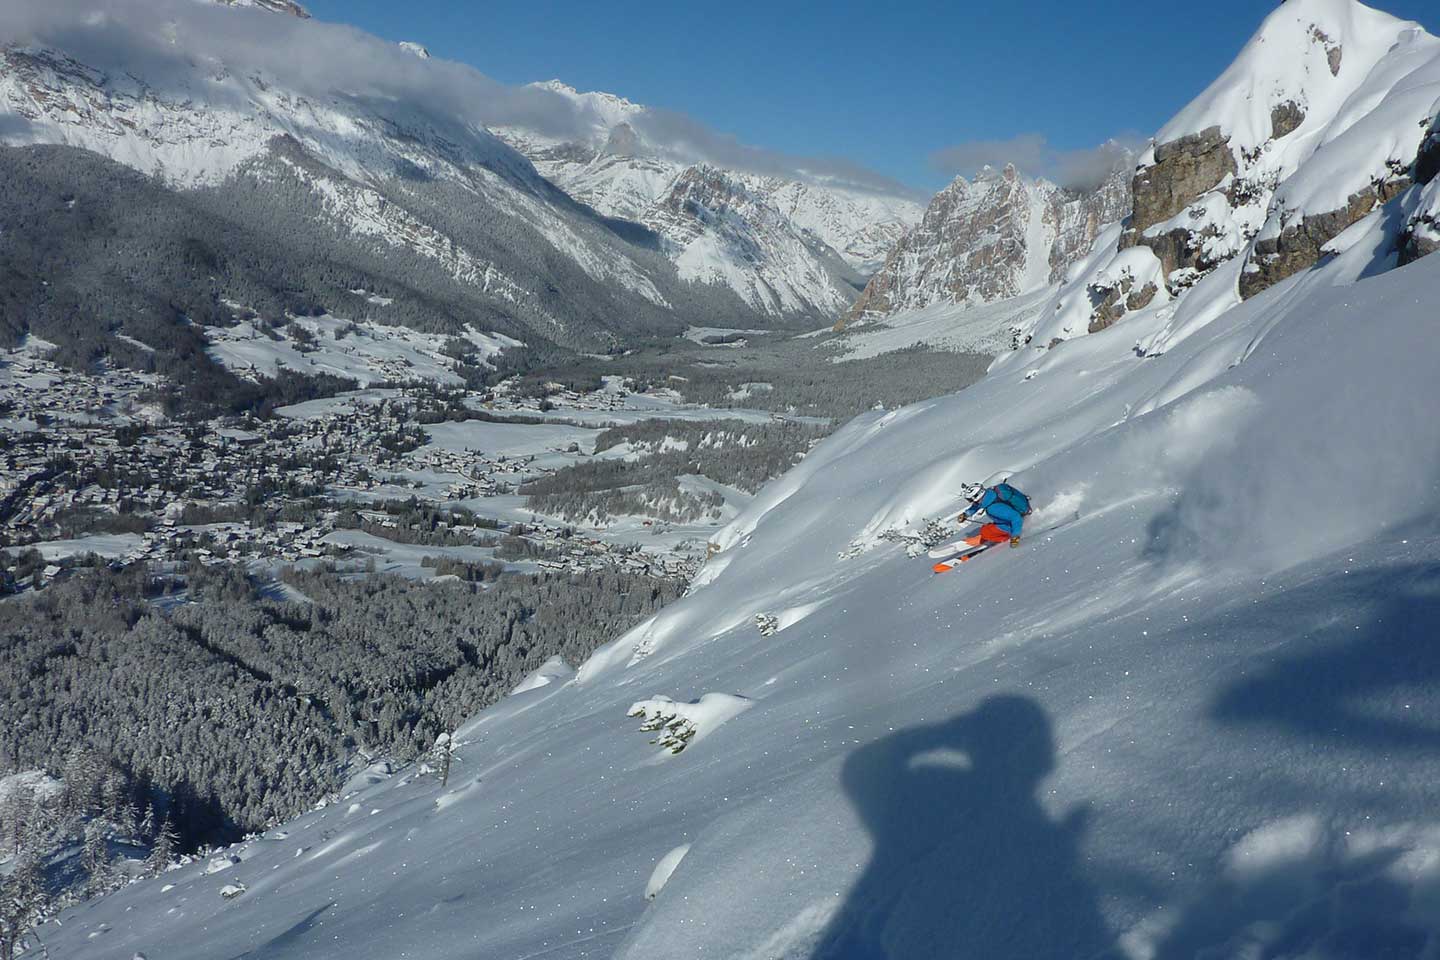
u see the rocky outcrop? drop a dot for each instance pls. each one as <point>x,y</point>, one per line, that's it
<point>1421,236</point>
<point>1285,119</point>
<point>1421,240</point>
<point>1427,161</point>
<point>1299,247</point>
<point>1131,282</point>
<point>1334,52</point>
<point>1183,170</point>
<point>1112,303</point>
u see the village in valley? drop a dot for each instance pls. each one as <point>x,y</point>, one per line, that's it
<point>390,478</point>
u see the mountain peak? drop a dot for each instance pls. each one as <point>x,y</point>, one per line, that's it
<point>410,46</point>
<point>1311,53</point>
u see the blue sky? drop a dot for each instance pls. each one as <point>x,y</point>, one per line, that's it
<point>885,85</point>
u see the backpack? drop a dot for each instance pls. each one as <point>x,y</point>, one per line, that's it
<point>1009,495</point>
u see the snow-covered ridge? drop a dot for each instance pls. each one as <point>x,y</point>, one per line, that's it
<point>1317,122</point>
<point>274,6</point>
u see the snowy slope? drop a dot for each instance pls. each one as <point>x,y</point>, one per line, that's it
<point>1205,715</point>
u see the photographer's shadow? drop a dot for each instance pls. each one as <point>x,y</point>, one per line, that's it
<point>965,861</point>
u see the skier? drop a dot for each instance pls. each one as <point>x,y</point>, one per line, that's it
<point>1006,506</point>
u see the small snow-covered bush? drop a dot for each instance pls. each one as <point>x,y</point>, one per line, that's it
<point>767,624</point>
<point>681,723</point>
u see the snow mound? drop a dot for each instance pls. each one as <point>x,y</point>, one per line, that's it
<point>555,670</point>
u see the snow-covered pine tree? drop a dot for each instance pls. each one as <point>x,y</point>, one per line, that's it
<point>441,754</point>
<point>95,857</point>
<point>15,816</point>
<point>163,850</point>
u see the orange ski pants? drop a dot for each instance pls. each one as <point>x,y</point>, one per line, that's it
<point>990,533</point>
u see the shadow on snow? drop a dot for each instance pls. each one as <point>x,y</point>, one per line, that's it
<point>965,862</point>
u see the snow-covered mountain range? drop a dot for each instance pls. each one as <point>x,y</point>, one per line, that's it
<point>783,243</point>
<point>375,148</point>
<point>1195,713</point>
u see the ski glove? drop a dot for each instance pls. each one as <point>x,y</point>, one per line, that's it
<point>1014,541</point>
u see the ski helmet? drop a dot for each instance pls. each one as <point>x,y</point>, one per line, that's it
<point>972,491</point>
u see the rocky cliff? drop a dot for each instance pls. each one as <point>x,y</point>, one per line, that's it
<point>997,237</point>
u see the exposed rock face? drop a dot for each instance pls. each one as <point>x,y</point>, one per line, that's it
<point>1334,52</point>
<point>1297,248</point>
<point>1183,171</point>
<point>1077,218</point>
<point>719,229</point>
<point>1131,282</point>
<point>1274,258</point>
<point>968,234</point>
<point>1285,118</point>
<point>1421,240</point>
<point>1427,162</point>
<point>1422,229</point>
<point>1115,302</point>
<point>990,240</point>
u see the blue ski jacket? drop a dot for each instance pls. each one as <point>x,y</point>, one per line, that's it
<point>1006,517</point>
